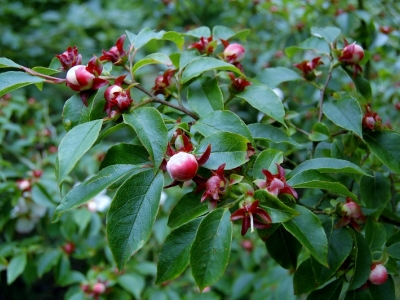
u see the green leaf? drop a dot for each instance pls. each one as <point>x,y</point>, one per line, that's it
<point>154,58</point>
<point>329,34</point>
<point>93,186</point>
<point>203,64</point>
<point>304,278</point>
<point>363,260</point>
<point>265,100</point>
<point>132,213</point>
<point>202,31</point>
<point>150,128</point>
<point>375,234</point>
<point>226,147</point>
<point>82,217</point>
<point>386,146</point>
<point>125,154</point>
<point>10,81</point>
<point>394,250</point>
<point>345,113</point>
<point>272,77</point>
<point>47,260</point>
<point>320,132</point>
<point>308,230</point>
<point>188,208</point>
<point>147,35</point>
<point>211,248</point>
<point>74,145</point>
<point>331,291</point>
<point>283,248</point>
<point>267,160</point>
<point>277,210</point>
<point>375,192</point>
<point>75,112</point>
<point>313,43</point>
<point>174,254</point>
<point>133,283</point>
<point>8,63</point>
<point>222,121</point>
<point>16,267</point>
<point>205,96</point>
<point>270,133</point>
<point>187,57</point>
<point>46,71</point>
<point>226,33</point>
<point>131,36</point>
<point>328,165</point>
<point>315,180</point>
<point>363,86</point>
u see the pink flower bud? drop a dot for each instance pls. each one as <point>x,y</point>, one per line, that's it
<point>369,122</point>
<point>70,58</point>
<point>378,274</point>
<point>24,185</point>
<point>182,166</point>
<point>234,53</point>
<point>99,288</point>
<point>111,91</point>
<point>351,209</point>
<point>352,53</point>
<point>79,79</point>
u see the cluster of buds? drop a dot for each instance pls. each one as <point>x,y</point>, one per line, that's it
<point>117,55</point>
<point>371,120</point>
<point>117,98</point>
<point>378,274</point>
<point>351,215</point>
<point>70,58</point>
<point>238,84</point>
<point>352,55</point>
<point>233,54</point>
<point>163,82</point>
<point>204,45</point>
<point>275,184</point>
<point>308,68</point>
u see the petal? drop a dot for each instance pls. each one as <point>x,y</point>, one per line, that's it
<point>239,214</point>
<point>263,215</point>
<point>245,225</point>
<point>205,156</point>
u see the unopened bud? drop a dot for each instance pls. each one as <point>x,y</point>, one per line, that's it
<point>234,53</point>
<point>182,166</point>
<point>378,274</point>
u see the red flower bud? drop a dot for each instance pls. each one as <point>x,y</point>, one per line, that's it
<point>352,54</point>
<point>37,173</point>
<point>378,274</point>
<point>117,55</point>
<point>182,166</point>
<point>204,45</point>
<point>351,209</point>
<point>79,79</point>
<point>69,248</point>
<point>70,58</point>
<point>117,99</point>
<point>99,288</point>
<point>234,53</point>
<point>24,185</point>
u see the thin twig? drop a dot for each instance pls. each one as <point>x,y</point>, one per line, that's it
<point>49,79</point>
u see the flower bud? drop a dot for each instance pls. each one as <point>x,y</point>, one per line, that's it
<point>79,79</point>
<point>24,185</point>
<point>352,53</point>
<point>234,53</point>
<point>99,288</point>
<point>111,91</point>
<point>182,166</point>
<point>378,274</point>
<point>70,58</point>
<point>351,209</point>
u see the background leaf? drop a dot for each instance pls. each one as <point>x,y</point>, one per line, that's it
<point>127,154</point>
<point>375,192</point>
<point>272,77</point>
<point>270,133</point>
<point>16,267</point>
<point>154,58</point>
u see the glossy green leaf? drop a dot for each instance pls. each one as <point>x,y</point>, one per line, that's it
<point>12,80</point>
<point>46,71</point>
<point>315,180</point>
<point>203,64</point>
<point>331,291</point>
<point>272,77</point>
<point>16,267</point>
<point>394,250</point>
<point>8,63</point>
<point>328,165</point>
<point>205,96</point>
<point>265,100</point>
<point>320,132</point>
<point>125,154</point>
<point>267,160</point>
<point>284,248</point>
<point>308,230</point>
<point>345,113</point>
<point>277,210</point>
<point>93,186</point>
<point>375,192</point>
<point>175,252</point>
<point>329,34</point>
<point>132,213</point>
<point>47,260</point>
<point>226,33</point>
<point>75,112</point>
<point>202,31</point>
<point>363,260</point>
<point>150,128</point>
<point>154,58</point>
<point>222,121</point>
<point>375,234</point>
<point>363,86</point>
<point>226,147</point>
<point>186,57</point>
<point>147,35</point>
<point>304,278</point>
<point>133,283</point>
<point>318,45</point>
<point>386,146</point>
<point>270,133</point>
<point>74,145</point>
<point>211,248</point>
<point>131,36</point>
<point>188,208</point>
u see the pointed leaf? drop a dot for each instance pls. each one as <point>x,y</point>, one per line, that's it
<point>270,133</point>
<point>154,58</point>
<point>363,86</point>
<point>267,160</point>
<point>205,96</point>
<point>188,208</point>
<point>375,235</point>
<point>16,267</point>
<point>304,278</point>
<point>125,154</point>
<point>363,261</point>
<point>174,254</point>
<point>202,31</point>
<point>10,81</point>
<point>211,248</point>
<point>147,35</point>
<point>151,130</point>
<point>8,63</point>
<point>331,291</point>
<point>74,145</point>
<point>386,146</point>
<point>318,45</point>
<point>308,230</point>
<point>93,186</point>
<point>132,213</point>
<point>272,77</point>
<point>375,192</point>
<point>329,34</point>
<point>47,260</point>
<point>345,113</point>
<point>226,33</point>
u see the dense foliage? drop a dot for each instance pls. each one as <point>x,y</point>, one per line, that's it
<point>244,149</point>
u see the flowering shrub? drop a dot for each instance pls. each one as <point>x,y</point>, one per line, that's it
<point>316,182</point>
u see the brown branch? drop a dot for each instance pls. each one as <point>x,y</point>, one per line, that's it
<point>49,79</point>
